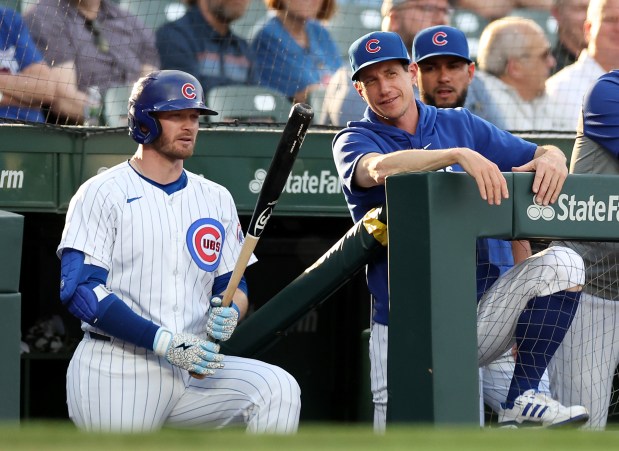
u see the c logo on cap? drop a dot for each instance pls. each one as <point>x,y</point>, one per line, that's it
<point>189,91</point>
<point>439,38</point>
<point>372,46</point>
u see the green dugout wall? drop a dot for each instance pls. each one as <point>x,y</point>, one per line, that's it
<point>11,235</point>
<point>40,168</point>
<point>434,219</point>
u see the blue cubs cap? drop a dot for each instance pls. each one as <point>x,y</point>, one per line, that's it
<point>376,47</point>
<point>440,41</point>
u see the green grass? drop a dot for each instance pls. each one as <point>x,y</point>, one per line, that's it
<point>63,436</point>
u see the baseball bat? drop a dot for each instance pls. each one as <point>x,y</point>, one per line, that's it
<point>292,137</point>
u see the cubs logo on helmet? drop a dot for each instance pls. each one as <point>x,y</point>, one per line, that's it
<point>189,91</point>
<point>205,239</point>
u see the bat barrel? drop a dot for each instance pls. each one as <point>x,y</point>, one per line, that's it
<point>301,115</point>
<point>302,109</point>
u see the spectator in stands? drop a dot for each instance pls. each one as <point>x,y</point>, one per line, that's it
<point>567,87</point>
<point>570,16</point>
<point>27,83</point>
<point>295,53</point>
<point>203,44</point>
<point>342,103</point>
<point>516,59</point>
<point>408,17</point>
<point>492,10</point>
<point>100,41</point>
<point>589,353</point>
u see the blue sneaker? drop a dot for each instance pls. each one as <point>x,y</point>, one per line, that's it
<point>537,409</point>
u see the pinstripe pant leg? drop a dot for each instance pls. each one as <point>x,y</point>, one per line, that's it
<point>246,392</point>
<point>378,374</point>
<point>552,270</point>
<point>118,387</point>
<point>583,367</point>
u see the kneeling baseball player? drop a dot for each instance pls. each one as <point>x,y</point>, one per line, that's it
<point>147,248</point>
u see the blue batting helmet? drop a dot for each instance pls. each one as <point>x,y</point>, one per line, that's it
<point>163,90</point>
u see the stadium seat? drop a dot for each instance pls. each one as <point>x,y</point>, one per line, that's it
<point>253,19</point>
<point>115,106</point>
<point>472,25</point>
<point>543,18</point>
<point>155,12</point>
<point>351,21</point>
<point>15,5</point>
<point>316,100</point>
<point>248,104</point>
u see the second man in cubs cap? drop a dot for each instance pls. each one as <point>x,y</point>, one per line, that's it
<point>446,74</point>
<point>445,69</point>
<point>441,40</point>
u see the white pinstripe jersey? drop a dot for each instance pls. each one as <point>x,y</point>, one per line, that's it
<point>162,251</point>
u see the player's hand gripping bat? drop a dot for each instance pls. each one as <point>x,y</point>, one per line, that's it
<point>301,115</point>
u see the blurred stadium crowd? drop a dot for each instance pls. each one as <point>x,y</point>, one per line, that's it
<point>73,62</point>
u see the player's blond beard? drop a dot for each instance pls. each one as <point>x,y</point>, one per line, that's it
<point>165,146</point>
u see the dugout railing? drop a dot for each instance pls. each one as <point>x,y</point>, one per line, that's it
<point>434,220</point>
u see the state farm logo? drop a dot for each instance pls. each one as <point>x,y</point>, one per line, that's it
<point>569,208</point>
<point>537,210</point>
<point>11,179</point>
<point>324,183</point>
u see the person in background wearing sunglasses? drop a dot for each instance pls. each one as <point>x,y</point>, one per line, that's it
<point>567,88</point>
<point>570,16</point>
<point>104,44</point>
<point>492,10</point>
<point>515,60</point>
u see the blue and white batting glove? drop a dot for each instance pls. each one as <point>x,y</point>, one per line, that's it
<point>189,352</point>
<point>221,321</point>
